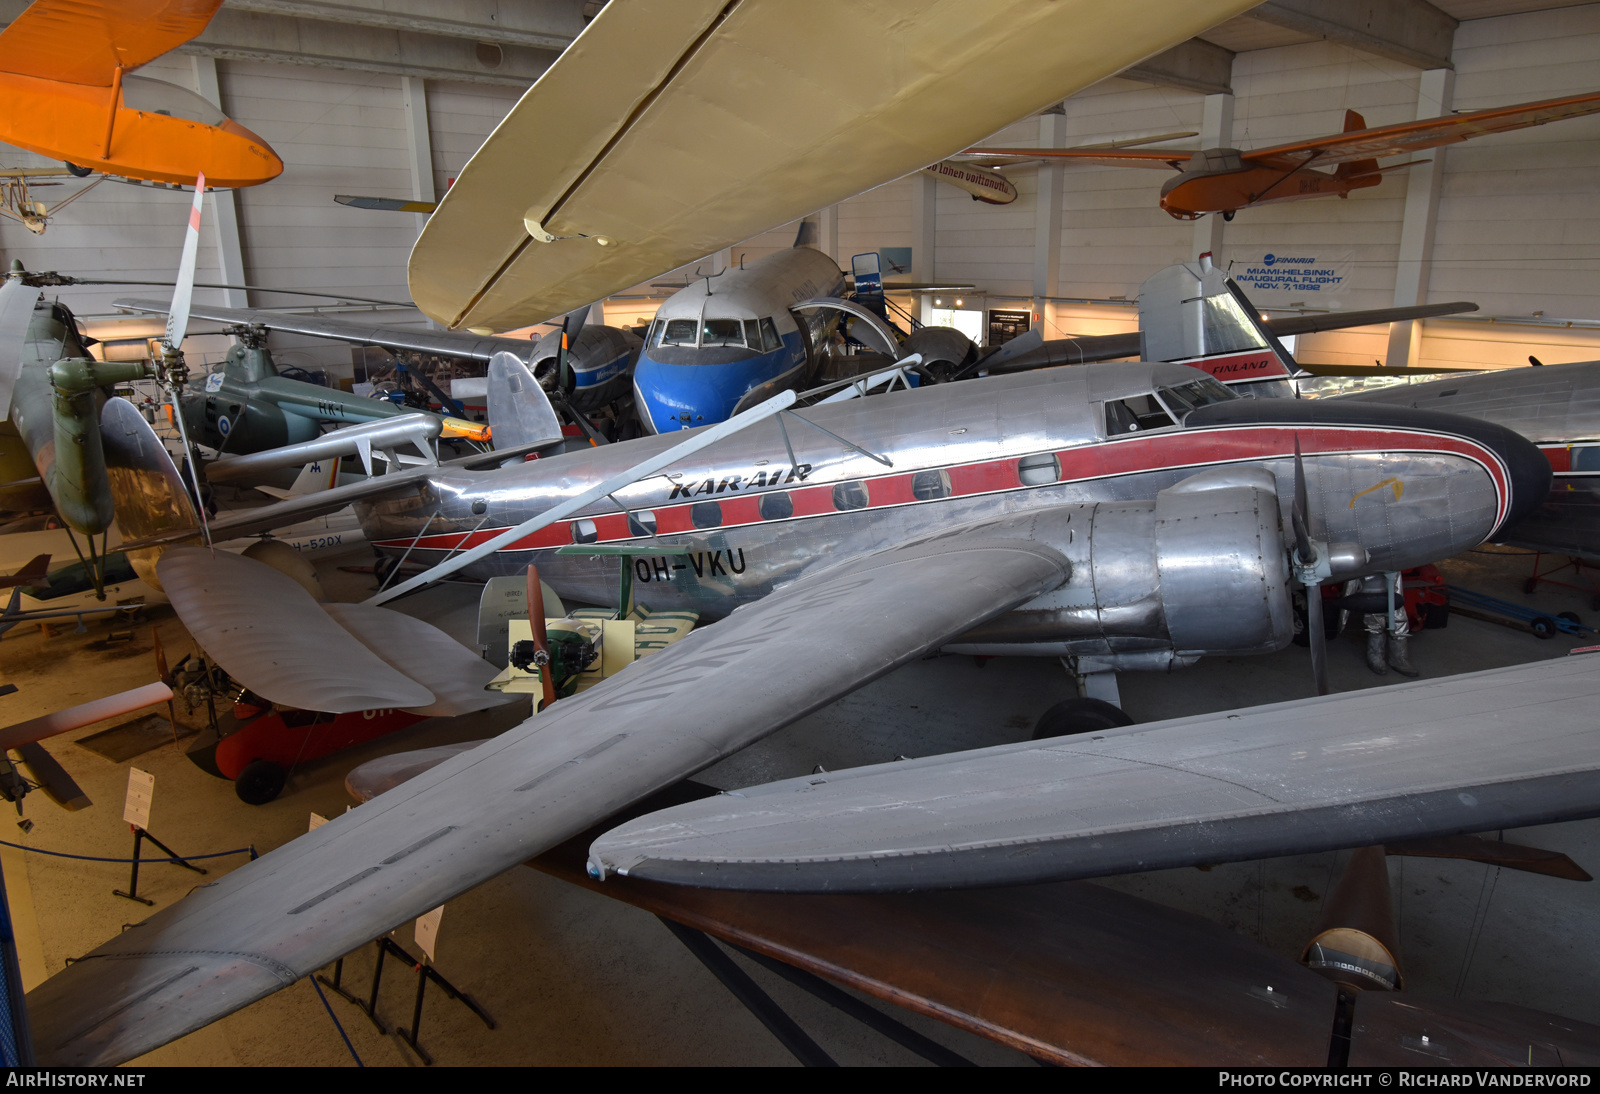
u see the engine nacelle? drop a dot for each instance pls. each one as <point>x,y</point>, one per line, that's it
<point>1202,569</point>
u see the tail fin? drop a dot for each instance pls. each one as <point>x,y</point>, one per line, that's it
<point>317,475</point>
<point>809,234</point>
<point>1194,314</point>
<point>520,414</point>
<point>36,572</point>
<point>1353,121</point>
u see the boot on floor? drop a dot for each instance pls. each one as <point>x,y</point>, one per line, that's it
<point>1377,643</point>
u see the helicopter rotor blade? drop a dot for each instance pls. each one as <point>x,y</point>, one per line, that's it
<point>183,292</point>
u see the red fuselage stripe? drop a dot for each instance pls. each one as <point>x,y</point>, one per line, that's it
<point>1130,455</point>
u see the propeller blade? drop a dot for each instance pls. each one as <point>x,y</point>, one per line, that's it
<point>1300,514</point>
<point>1318,636</point>
<point>541,638</point>
<point>16,311</point>
<point>183,292</point>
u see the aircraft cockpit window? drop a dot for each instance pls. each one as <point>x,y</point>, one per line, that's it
<point>654,337</point>
<point>752,334</point>
<point>930,485</point>
<point>850,495</point>
<point>706,514</point>
<point>641,522</point>
<point>679,332</point>
<point>1137,414</point>
<point>160,97</point>
<point>584,531</point>
<point>722,332</point>
<point>777,505</point>
<point>1182,398</point>
<point>1225,327</point>
<point>769,336</point>
<point>1040,470</point>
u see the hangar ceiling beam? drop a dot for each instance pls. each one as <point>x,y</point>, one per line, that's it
<point>1413,32</point>
<point>550,24</point>
<point>1195,65</point>
<point>285,39</point>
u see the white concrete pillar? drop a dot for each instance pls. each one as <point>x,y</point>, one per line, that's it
<point>1216,131</point>
<point>1047,214</point>
<point>224,203</point>
<point>924,234</point>
<point>1435,95</point>
<point>419,142</point>
<point>828,243</point>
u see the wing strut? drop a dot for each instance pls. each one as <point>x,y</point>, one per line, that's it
<point>711,435</point>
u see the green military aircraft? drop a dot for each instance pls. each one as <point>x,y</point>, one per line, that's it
<point>86,446</point>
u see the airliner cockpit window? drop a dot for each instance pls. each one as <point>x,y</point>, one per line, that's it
<point>1136,414</point>
<point>1182,398</point>
<point>752,334</point>
<point>678,332</point>
<point>769,336</point>
<point>722,332</point>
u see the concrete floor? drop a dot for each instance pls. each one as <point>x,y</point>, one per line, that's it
<point>574,978</point>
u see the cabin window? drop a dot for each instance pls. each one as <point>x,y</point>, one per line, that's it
<point>929,485</point>
<point>769,336</point>
<point>1040,470</point>
<point>752,334</point>
<point>641,522</point>
<point>1585,458</point>
<point>160,97</point>
<point>777,506</point>
<point>584,531</point>
<point>706,514</point>
<point>850,495</point>
<point>679,332</point>
<point>1182,398</point>
<point>722,332</point>
<point>1137,414</point>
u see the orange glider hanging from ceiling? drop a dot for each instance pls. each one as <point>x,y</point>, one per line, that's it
<point>1225,180</point>
<point>68,94</point>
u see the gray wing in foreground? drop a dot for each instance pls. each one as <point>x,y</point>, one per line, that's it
<point>268,633</point>
<point>274,920</point>
<point>422,652</point>
<point>1498,749</point>
<point>441,343</point>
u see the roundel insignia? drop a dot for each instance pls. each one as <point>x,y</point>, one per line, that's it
<point>223,425</point>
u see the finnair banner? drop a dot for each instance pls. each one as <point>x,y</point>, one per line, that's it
<point>1290,277</point>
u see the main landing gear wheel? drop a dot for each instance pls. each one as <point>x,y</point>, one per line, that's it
<point>260,782</point>
<point>1543,626</point>
<point>1079,716</point>
<point>1227,215</point>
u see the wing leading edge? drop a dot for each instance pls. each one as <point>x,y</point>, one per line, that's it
<point>277,919</point>
<point>1499,749</point>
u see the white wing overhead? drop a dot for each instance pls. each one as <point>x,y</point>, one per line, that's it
<point>274,920</point>
<point>1499,749</point>
<point>673,128</point>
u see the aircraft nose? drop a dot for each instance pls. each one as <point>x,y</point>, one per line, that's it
<point>1527,468</point>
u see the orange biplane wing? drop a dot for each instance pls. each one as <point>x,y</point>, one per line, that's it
<point>86,41</point>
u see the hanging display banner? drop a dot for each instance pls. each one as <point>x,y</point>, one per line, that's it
<point>1290,277</point>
